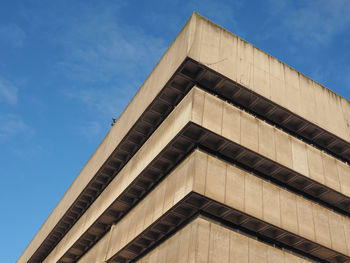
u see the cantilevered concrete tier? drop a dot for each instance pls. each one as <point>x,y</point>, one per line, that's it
<point>204,240</point>
<point>219,62</point>
<point>191,126</point>
<point>203,184</point>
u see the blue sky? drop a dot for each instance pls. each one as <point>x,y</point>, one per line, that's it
<point>67,67</point>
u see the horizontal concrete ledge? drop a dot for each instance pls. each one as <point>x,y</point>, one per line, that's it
<point>265,109</point>
<point>252,68</point>
<point>198,185</point>
<point>171,143</point>
<point>205,240</point>
<point>228,184</point>
<point>265,168</point>
<point>194,205</point>
<point>163,104</point>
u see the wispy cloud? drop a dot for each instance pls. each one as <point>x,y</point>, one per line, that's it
<point>89,129</point>
<point>315,22</point>
<point>8,92</point>
<point>110,58</point>
<point>13,125</point>
<point>276,6</point>
<point>12,35</point>
<point>103,101</point>
<point>99,49</point>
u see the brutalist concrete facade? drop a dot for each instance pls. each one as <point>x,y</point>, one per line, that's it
<point>225,154</point>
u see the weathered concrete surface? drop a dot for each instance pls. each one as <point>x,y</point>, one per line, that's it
<point>240,61</point>
<point>212,113</point>
<point>169,192</point>
<point>265,139</point>
<point>245,192</point>
<point>206,241</point>
<point>227,184</point>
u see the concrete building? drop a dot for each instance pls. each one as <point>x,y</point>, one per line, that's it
<point>225,154</point>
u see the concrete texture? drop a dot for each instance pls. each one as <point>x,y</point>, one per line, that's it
<point>224,52</point>
<point>245,192</point>
<point>206,241</point>
<point>161,199</point>
<point>246,130</point>
<point>229,185</point>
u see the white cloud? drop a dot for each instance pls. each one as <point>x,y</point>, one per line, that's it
<point>99,49</point>
<point>12,35</point>
<point>8,92</point>
<point>103,101</point>
<point>315,21</point>
<point>90,129</point>
<point>13,125</point>
<point>320,21</point>
<point>108,60</point>
<point>276,6</point>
